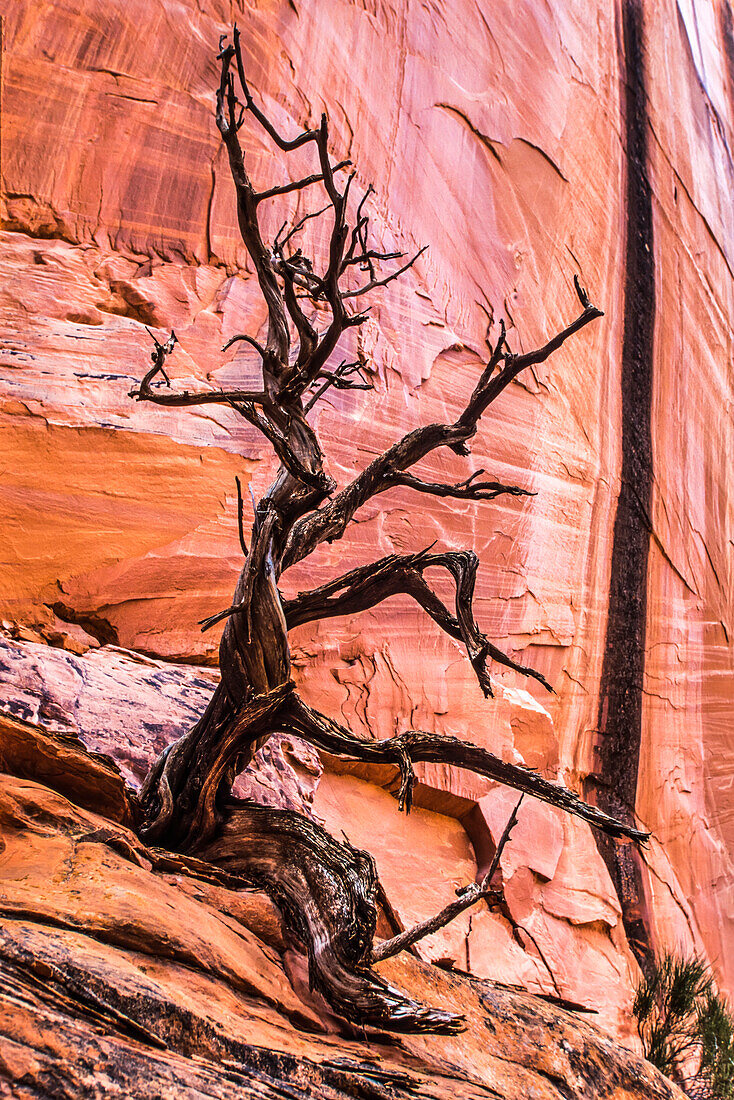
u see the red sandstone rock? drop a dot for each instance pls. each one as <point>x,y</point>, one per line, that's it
<point>115,976</point>
<point>494,134</point>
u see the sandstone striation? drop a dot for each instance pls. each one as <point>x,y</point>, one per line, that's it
<point>499,134</point>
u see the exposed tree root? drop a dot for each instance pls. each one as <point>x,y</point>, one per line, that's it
<point>326,892</point>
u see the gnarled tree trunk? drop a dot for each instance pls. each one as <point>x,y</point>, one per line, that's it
<point>326,890</point>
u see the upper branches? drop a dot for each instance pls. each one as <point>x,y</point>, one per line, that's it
<point>296,290</point>
<point>330,522</point>
<point>296,274</point>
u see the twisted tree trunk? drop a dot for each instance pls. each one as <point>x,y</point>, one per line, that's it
<point>326,890</point>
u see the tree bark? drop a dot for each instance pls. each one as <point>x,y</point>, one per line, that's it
<point>325,889</point>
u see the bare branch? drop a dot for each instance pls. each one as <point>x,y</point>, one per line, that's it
<point>282,143</point>
<point>374,283</point>
<point>416,746</point>
<point>467,896</point>
<point>371,254</point>
<point>297,185</point>
<point>307,334</point>
<point>145,391</point>
<point>329,523</point>
<point>316,478</point>
<point>186,398</point>
<point>247,340</point>
<point>159,355</point>
<point>359,234</point>
<point>279,245</point>
<point>396,574</point>
<point>240,518</point>
<point>494,865</point>
<point>278,342</point>
<point>311,359</point>
<point>212,620</point>
<point>340,380</point>
<point>464,629</point>
<point>488,390</point>
<point>469,489</point>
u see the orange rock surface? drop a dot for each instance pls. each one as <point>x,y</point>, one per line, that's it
<point>495,133</point>
<point>122,975</point>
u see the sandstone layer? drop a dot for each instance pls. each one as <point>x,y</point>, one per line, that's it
<point>500,135</point>
<point>126,973</point>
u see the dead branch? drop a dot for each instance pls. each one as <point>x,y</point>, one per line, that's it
<point>248,340</point>
<point>298,185</point>
<point>325,890</point>
<point>374,282</point>
<point>340,379</point>
<point>417,746</point>
<point>469,895</point>
<point>468,489</point>
<point>330,523</point>
<point>489,388</point>
<point>185,398</point>
<point>240,519</point>
<point>397,574</point>
<point>160,353</point>
<point>279,245</point>
<point>282,143</point>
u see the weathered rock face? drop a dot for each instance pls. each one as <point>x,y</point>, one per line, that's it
<point>124,972</point>
<point>523,145</point>
<point>561,932</point>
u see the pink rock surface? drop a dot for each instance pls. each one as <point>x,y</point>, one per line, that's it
<point>130,707</point>
<point>494,133</point>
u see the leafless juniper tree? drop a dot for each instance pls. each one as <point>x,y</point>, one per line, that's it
<point>326,890</point>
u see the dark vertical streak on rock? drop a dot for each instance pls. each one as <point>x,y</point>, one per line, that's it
<point>614,778</point>
<point>727,41</point>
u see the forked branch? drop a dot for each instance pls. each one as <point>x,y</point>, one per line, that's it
<point>468,489</point>
<point>331,521</point>
<point>396,574</point>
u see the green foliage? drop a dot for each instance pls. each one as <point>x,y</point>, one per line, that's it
<point>686,1028</point>
<point>666,1009</point>
<point>716,1034</point>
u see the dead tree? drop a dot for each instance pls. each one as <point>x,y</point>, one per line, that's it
<point>325,889</point>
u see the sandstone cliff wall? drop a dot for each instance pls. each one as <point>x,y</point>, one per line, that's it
<point>523,143</point>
